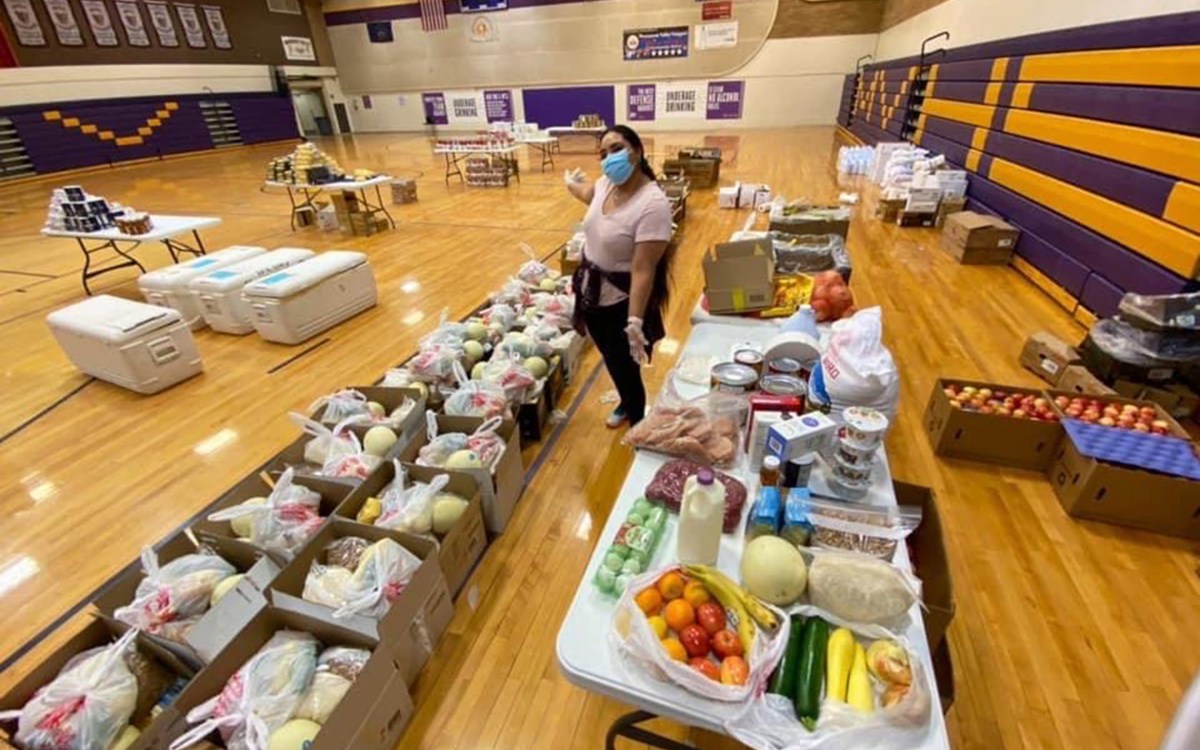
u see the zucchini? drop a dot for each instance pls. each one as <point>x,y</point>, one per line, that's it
<point>783,679</point>
<point>810,677</point>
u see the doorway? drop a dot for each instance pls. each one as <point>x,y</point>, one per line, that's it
<point>310,111</point>
<point>343,118</point>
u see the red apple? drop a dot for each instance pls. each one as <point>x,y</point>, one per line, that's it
<point>1062,402</point>
<point>985,409</point>
<point>1159,430</point>
<point>1148,411</point>
<point>1074,411</point>
<point>1106,421</point>
<point>1112,411</point>
<point>1051,417</point>
<point>985,392</point>
<point>1004,411</point>
<point>1129,408</point>
<point>955,404</point>
<point>1139,427</point>
<point>949,391</point>
<point>1020,414</point>
<point>1126,420</point>
<point>1161,424</point>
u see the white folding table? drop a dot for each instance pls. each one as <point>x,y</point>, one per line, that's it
<point>303,197</point>
<point>565,130</point>
<point>542,143</point>
<point>455,155</point>
<point>583,646</point>
<point>164,229</point>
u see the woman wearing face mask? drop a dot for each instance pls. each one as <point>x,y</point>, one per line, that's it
<point>621,284</point>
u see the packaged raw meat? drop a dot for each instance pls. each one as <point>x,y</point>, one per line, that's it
<point>706,429</point>
<point>667,488</point>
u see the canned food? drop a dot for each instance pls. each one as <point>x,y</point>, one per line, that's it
<point>782,385</point>
<point>730,377</point>
<point>750,358</point>
<point>784,366</point>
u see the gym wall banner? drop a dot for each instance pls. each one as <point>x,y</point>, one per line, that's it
<point>499,105</point>
<point>192,30</point>
<point>656,44</point>
<point>135,25</point>
<point>435,108</point>
<point>100,22</point>
<point>216,26</point>
<point>63,20</point>
<point>26,23</point>
<point>725,100</point>
<point>641,102</point>
<point>164,27</point>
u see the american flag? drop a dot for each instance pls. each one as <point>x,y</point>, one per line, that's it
<point>433,15</point>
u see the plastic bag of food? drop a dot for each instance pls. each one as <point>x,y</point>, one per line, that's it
<point>666,488</point>
<point>1144,348</point>
<point>399,377</point>
<point>354,464</point>
<point>561,305</point>
<point>475,398</point>
<point>340,405</point>
<point>859,588</point>
<point>448,332</point>
<point>439,447</point>
<point>383,571</point>
<point>804,253</point>
<point>900,692</point>
<point>346,552</point>
<point>327,443</point>
<point>706,429</point>
<point>289,517</point>
<point>831,298</point>
<point>508,373</point>
<point>857,527</point>
<point>170,598</point>
<point>337,669</point>
<point>409,507</point>
<point>513,296</point>
<point>85,707</point>
<point>639,648</point>
<point>435,362</point>
<point>532,271</point>
<point>856,369</point>
<point>260,697</point>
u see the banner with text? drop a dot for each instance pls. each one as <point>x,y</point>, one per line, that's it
<point>465,108</point>
<point>681,100</point>
<point>135,26</point>
<point>100,23</point>
<point>641,102</point>
<point>499,105</point>
<point>656,44</point>
<point>717,35</point>
<point>435,108</point>
<point>725,100</point>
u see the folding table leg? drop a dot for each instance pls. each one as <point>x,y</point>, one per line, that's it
<point>626,727</point>
<point>87,273</point>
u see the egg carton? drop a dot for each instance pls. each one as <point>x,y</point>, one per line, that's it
<point>1164,454</point>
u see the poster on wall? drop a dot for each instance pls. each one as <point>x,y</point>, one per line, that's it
<point>216,26</point>
<point>131,19</point>
<point>160,19</point>
<point>465,108</point>
<point>681,100</point>
<point>656,44</point>
<point>298,48</point>
<point>65,26</point>
<point>717,35</point>
<point>725,100</point>
<point>640,106</point>
<point>435,108</point>
<point>100,23</point>
<point>498,105</point>
<point>25,22</point>
<point>715,11</point>
<point>192,30</point>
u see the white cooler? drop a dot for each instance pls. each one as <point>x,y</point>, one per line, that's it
<point>312,296</point>
<point>219,293</point>
<point>168,287</point>
<point>144,348</point>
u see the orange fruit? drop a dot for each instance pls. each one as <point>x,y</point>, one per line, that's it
<point>674,649</point>
<point>659,626</point>
<point>695,594</point>
<point>679,614</point>
<point>671,586</point>
<point>649,601</point>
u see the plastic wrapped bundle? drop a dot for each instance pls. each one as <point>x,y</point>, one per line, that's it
<point>448,332</point>
<point>170,599</point>
<point>1135,346</point>
<point>435,362</point>
<point>705,429</point>
<point>810,253</point>
<point>510,375</point>
<point>340,405</point>
<point>514,295</point>
<point>1159,312</point>
<point>288,519</point>
<point>475,399</point>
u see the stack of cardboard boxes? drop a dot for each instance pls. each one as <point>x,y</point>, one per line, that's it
<point>404,191</point>
<point>354,217</point>
<point>701,166</point>
<point>978,239</point>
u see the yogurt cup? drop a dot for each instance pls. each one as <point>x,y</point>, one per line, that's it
<point>864,428</point>
<point>851,473</point>
<point>853,455</point>
<point>848,489</point>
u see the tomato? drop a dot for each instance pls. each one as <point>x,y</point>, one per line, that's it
<point>705,667</point>
<point>734,671</point>
<point>694,640</point>
<point>726,643</point>
<point>711,617</point>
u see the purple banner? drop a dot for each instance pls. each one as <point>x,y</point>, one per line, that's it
<point>656,44</point>
<point>725,100</point>
<point>641,102</point>
<point>498,105</point>
<point>435,109</point>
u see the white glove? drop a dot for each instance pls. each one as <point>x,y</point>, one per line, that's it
<point>574,177</point>
<point>637,341</point>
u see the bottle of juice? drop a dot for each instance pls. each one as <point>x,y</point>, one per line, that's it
<point>701,518</point>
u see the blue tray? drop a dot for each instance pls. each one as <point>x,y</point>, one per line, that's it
<point>1165,454</point>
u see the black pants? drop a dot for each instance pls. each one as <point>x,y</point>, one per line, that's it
<point>606,326</point>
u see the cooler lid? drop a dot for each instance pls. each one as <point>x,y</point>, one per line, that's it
<point>181,273</point>
<point>303,275</point>
<point>112,319</point>
<point>237,275</point>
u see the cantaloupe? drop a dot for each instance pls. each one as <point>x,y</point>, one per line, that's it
<point>537,367</point>
<point>447,509</point>
<point>379,440</point>
<point>243,526</point>
<point>473,350</point>
<point>297,734</point>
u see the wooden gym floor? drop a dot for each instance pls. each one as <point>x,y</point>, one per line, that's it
<point>1068,634</point>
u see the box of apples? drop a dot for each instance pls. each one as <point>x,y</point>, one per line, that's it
<point>1117,412</point>
<point>997,424</point>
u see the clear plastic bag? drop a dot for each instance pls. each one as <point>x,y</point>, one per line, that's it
<point>707,429</point>
<point>808,253</point>
<point>340,405</point>
<point>384,570</point>
<point>476,399</point>
<point>639,647</point>
<point>857,527</point>
<point>399,377</point>
<point>327,443</point>
<point>260,697</point>
<point>435,362</point>
<point>561,305</point>
<point>508,373</point>
<point>172,597</point>
<point>1166,311</point>
<point>1136,346</point>
<point>485,441</point>
<point>769,721</point>
<point>288,519</point>
<point>533,271</point>
<point>85,707</point>
<point>409,507</point>
<point>859,588</point>
<point>448,332</point>
<point>346,552</point>
<point>513,296</point>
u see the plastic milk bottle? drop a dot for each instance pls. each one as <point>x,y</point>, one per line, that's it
<point>701,517</point>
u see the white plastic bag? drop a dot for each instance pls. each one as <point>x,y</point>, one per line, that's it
<point>475,399</point>
<point>170,598</point>
<point>288,519</point>
<point>448,332</point>
<point>340,405</point>
<point>260,697</point>
<point>860,588</point>
<point>435,362</point>
<point>409,508</point>
<point>440,447</point>
<point>384,570</point>
<point>637,645</point>
<point>85,707</point>
<point>856,369</point>
<point>533,271</point>
<point>510,375</point>
<point>327,443</point>
<point>769,722</point>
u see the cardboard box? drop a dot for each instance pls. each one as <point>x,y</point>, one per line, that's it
<point>371,716</point>
<point>404,191</point>
<point>701,173</point>
<point>727,197</point>
<point>501,487</point>
<point>415,621</point>
<point>391,399</point>
<point>157,734</point>
<point>533,416</point>
<point>1173,427</point>
<point>567,264</point>
<point>293,454</point>
<point>217,626</point>
<point>888,209</point>
<point>927,549</point>
<point>332,495</point>
<point>816,220</point>
<point>1047,356</point>
<point>1077,381</point>
<point>908,218</point>
<point>923,200</point>
<point>991,438</point>
<point>797,436</point>
<point>1109,369</point>
<point>463,546</point>
<point>739,276</point>
<point>1100,491</point>
<point>975,239</point>
<point>943,672</point>
<point>949,206</point>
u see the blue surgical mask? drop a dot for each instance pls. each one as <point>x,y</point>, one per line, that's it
<point>617,167</point>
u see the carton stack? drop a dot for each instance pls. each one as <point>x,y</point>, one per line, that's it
<point>978,239</point>
<point>353,217</point>
<point>588,121</point>
<point>306,165</point>
<point>73,209</point>
<point>404,191</point>
<point>701,166</point>
<point>483,171</point>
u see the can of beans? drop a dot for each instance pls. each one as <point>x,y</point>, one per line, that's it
<point>750,358</point>
<point>785,366</point>
<point>730,377</point>
<point>781,385</point>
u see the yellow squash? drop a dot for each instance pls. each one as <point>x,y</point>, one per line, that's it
<point>859,693</point>
<point>839,656</point>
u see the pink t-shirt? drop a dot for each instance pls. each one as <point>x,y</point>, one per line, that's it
<point>645,217</point>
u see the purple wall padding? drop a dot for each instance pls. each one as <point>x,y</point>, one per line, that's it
<point>265,118</point>
<point>1159,108</point>
<point>1101,296</point>
<point>970,70</point>
<point>955,152</point>
<point>963,91</point>
<point>560,106</point>
<point>1060,268</point>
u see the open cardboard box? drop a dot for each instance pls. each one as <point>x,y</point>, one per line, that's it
<point>1173,427</point>
<point>502,485</point>
<point>293,454</point>
<point>1076,380</point>
<point>927,548</point>
<point>222,621</point>
<point>332,494</point>
<point>415,621</point>
<point>943,672</point>
<point>1047,356</point>
<point>1007,441</point>
<point>371,716</point>
<point>459,549</point>
<point>740,276</point>
<point>391,399</point>
<point>155,732</point>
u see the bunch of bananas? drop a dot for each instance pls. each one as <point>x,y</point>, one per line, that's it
<point>746,608</point>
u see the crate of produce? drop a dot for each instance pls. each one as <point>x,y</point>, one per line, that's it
<point>994,423</point>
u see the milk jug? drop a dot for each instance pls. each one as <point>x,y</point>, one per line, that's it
<point>701,517</point>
